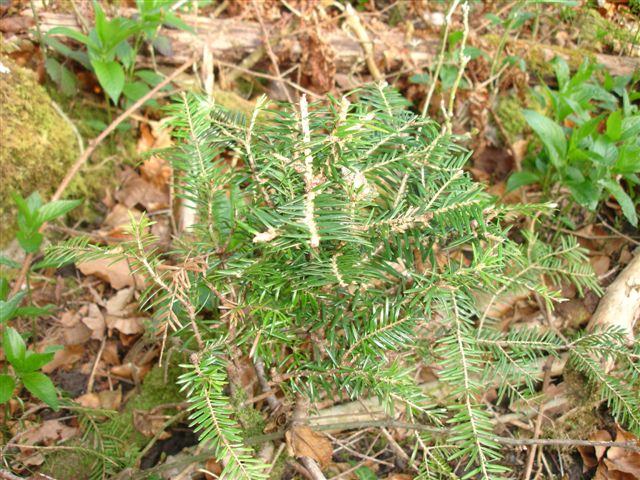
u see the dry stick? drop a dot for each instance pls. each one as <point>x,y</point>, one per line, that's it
<point>390,423</point>
<point>274,403</point>
<point>267,76</point>
<point>354,23</point>
<point>269,50</point>
<point>94,369</point>
<point>5,475</point>
<point>538,426</point>
<point>443,47</point>
<point>75,168</point>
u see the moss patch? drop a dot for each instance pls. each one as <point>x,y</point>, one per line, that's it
<point>37,145</point>
<point>154,391</point>
<point>509,110</point>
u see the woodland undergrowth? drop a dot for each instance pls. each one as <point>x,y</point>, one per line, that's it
<point>342,245</point>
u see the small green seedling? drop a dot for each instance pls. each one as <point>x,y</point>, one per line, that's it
<point>33,213</point>
<point>112,47</point>
<point>26,366</point>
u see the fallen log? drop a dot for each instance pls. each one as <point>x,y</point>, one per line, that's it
<point>620,305</point>
<point>231,40</point>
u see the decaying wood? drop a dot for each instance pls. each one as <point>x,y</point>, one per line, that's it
<point>620,306</point>
<point>232,40</point>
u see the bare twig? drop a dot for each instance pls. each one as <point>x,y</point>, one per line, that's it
<point>6,475</point>
<point>274,403</point>
<point>92,376</point>
<point>269,50</point>
<point>354,23</point>
<point>539,418</point>
<point>443,47</point>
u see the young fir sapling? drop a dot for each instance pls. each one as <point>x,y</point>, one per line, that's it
<point>342,244</point>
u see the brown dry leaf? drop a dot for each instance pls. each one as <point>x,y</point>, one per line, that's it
<point>623,464</point>
<point>49,432</point>
<point>600,264</point>
<point>591,456</point>
<point>138,191</point>
<point>16,24</point>
<point>110,353</point>
<point>94,321</point>
<point>157,171</point>
<point>116,222</point>
<point>74,332</point>
<point>117,305</point>
<point>304,442</point>
<point>117,273</point>
<point>121,313</point>
<point>213,469</point>
<point>400,476</point>
<point>66,357</point>
<point>149,425</point>
<point>127,326</point>
<point>131,371</point>
<point>106,399</point>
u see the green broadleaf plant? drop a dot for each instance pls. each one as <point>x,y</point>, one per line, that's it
<point>26,364</point>
<point>600,153</point>
<point>345,246</point>
<point>33,213</point>
<point>112,47</point>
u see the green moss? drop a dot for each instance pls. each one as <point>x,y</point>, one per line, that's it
<point>599,33</point>
<point>98,174</point>
<point>69,464</point>
<point>251,420</point>
<point>509,110</point>
<point>38,146</point>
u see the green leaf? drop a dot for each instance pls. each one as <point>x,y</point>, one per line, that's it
<point>522,178</point>
<point>424,78</point>
<point>8,308</point>
<point>551,134</point>
<point>14,347</point>
<point>628,208</point>
<point>73,34</point>
<point>81,57</point>
<point>149,77</point>
<point>628,160</point>
<point>4,290</point>
<point>32,311</point>
<point>8,262</point>
<point>35,361</point>
<point>631,127</point>
<point>585,193</point>
<point>163,45</point>
<point>7,386</point>
<point>614,125</point>
<point>111,77</point>
<point>24,212</point>
<point>135,90</point>
<point>125,53</point>
<point>365,473</point>
<point>29,241</point>
<point>562,71</point>
<point>172,19</point>
<point>41,387</point>
<point>58,208</point>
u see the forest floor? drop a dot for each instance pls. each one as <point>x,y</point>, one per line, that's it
<point>124,416</point>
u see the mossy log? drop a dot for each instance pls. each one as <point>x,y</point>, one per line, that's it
<point>36,144</point>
